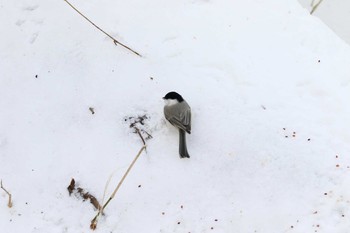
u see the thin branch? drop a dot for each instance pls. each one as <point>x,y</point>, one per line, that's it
<point>138,131</point>
<point>116,42</point>
<point>314,7</point>
<point>9,204</point>
<point>95,219</point>
<point>149,136</point>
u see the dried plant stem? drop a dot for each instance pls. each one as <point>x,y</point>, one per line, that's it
<point>95,219</point>
<point>9,204</point>
<point>314,6</point>
<point>106,187</point>
<point>138,131</point>
<point>148,135</point>
<point>116,42</point>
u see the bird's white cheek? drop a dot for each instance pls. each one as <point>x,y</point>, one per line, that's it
<point>170,102</point>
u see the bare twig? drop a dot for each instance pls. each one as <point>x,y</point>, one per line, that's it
<point>94,221</point>
<point>314,6</point>
<point>116,42</point>
<point>149,136</point>
<point>9,204</point>
<point>138,132</point>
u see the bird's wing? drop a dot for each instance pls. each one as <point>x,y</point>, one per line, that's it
<point>176,122</point>
<point>182,121</point>
<point>179,117</point>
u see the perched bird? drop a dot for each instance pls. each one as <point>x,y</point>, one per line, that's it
<point>178,113</point>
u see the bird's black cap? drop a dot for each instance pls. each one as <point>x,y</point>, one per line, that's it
<point>173,96</point>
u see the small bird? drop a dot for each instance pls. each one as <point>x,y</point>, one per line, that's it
<point>178,113</point>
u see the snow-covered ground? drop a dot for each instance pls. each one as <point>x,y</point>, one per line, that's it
<point>269,87</point>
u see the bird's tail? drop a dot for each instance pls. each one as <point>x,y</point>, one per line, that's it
<point>182,147</point>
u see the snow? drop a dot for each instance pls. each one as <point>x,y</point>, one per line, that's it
<point>268,85</point>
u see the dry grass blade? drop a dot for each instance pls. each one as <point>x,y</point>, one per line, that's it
<point>116,42</point>
<point>314,6</point>
<point>94,221</point>
<point>9,204</point>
